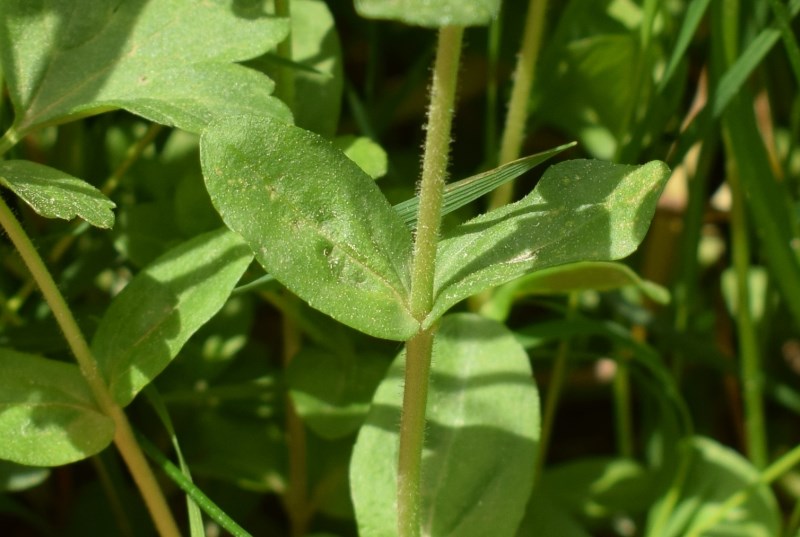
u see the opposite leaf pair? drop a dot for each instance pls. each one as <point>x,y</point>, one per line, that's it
<point>322,227</point>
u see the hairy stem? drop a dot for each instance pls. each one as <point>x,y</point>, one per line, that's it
<point>123,436</point>
<point>418,349</point>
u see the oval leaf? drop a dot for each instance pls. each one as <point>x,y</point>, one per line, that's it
<point>431,14</point>
<point>482,431</point>
<point>48,416</point>
<point>581,210</point>
<point>314,220</point>
<point>55,194</point>
<point>151,319</point>
<point>168,61</point>
<point>581,276</point>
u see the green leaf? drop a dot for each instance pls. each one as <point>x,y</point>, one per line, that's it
<point>460,193</point>
<point>545,517</point>
<point>581,210</point>
<point>16,477</point>
<point>581,276</point>
<point>715,473</point>
<point>431,14</point>
<point>48,416</point>
<point>55,194</point>
<point>369,156</point>
<point>315,221</point>
<point>171,62</point>
<point>481,436</point>
<point>332,391</point>
<point>151,319</point>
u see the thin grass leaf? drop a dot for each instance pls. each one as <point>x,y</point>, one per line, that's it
<point>694,14</point>
<point>460,193</point>
<point>789,40</point>
<point>733,79</point>
<point>174,473</point>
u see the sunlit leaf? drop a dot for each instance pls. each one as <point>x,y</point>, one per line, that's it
<point>48,416</point>
<point>171,62</point>
<point>431,13</point>
<point>55,194</point>
<point>581,210</point>
<point>314,219</point>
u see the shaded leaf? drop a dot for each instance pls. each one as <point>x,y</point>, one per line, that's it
<point>150,320</point>
<point>481,435</point>
<point>315,221</point>
<point>581,276</point>
<point>332,391</point>
<point>55,194</point>
<point>15,477</point>
<point>715,473</point>
<point>171,62</point>
<point>431,14</point>
<point>48,416</point>
<point>581,210</point>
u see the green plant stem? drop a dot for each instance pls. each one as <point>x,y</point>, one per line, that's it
<point>622,403</point>
<point>123,436</point>
<point>434,168</point>
<point>418,348</point>
<point>296,496</point>
<point>749,356</point>
<point>284,89</point>
<point>555,386</point>
<point>9,140</point>
<point>412,433</point>
<point>517,116</point>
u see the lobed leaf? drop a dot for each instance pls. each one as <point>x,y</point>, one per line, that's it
<point>151,319</point>
<point>431,14</point>
<point>314,219</point>
<point>48,416</point>
<point>171,62</point>
<point>481,436</point>
<point>581,210</point>
<point>55,194</point>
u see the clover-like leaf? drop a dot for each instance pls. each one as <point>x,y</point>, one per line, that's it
<point>581,210</point>
<point>55,194</point>
<point>48,416</point>
<point>171,62</point>
<point>167,302</point>
<point>481,436</point>
<point>314,219</point>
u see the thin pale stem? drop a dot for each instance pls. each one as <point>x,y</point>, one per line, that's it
<point>418,348</point>
<point>9,140</point>
<point>412,433</point>
<point>123,437</point>
<point>517,116</point>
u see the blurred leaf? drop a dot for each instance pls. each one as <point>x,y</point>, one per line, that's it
<point>757,285</point>
<point>431,14</point>
<point>49,416</point>
<point>481,435</point>
<point>146,231</point>
<point>581,276</point>
<point>315,221</point>
<point>15,477</point>
<point>694,14</point>
<point>714,474</point>
<point>55,194</point>
<point>460,193</point>
<point>64,59</point>
<point>151,319</point>
<point>600,487</point>
<point>369,156</point>
<point>332,391</point>
<point>544,516</point>
<point>581,210</point>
